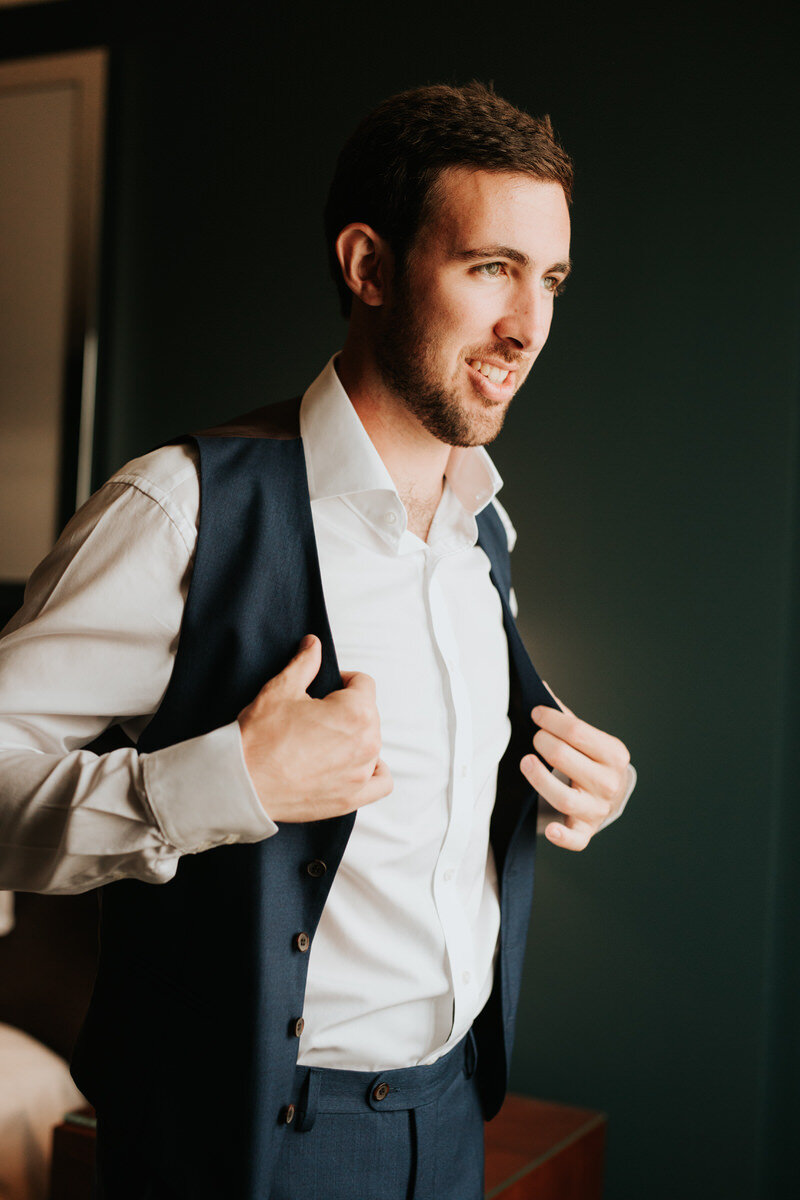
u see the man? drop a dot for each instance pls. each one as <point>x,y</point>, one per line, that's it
<point>318,1000</point>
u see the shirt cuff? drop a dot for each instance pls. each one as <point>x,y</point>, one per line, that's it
<point>201,794</point>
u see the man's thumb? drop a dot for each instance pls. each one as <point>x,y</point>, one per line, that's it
<point>298,675</point>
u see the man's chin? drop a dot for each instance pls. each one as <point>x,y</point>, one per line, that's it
<point>479,429</point>
<point>461,418</point>
<point>488,420</point>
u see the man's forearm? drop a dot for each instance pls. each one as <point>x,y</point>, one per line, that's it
<point>93,646</point>
<point>73,822</point>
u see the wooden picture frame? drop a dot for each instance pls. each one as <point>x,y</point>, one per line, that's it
<point>52,116</point>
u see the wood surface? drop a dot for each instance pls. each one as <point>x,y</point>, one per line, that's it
<point>536,1150</point>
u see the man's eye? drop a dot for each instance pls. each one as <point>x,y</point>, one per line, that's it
<point>554,285</point>
<point>487,269</point>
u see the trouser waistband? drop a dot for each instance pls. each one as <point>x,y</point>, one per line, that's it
<point>329,1090</point>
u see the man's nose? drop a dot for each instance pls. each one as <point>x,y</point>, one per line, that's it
<point>527,320</point>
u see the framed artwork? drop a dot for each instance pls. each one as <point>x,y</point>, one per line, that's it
<point>51,144</point>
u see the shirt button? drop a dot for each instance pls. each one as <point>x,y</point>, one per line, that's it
<point>448,875</point>
<point>464,771</point>
<point>390,517</point>
<point>302,941</point>
<point>298,1026</point>
<point>465,978</point>
<point>380,1092</point>
<point>287,1114</point>
<point>316,868</point>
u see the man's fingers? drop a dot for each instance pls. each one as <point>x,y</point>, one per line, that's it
<point>575,837</point>
<point>594,743</point>
<point>358,681</point>
<point>379,785</point>
<point>596,777</point>
<point>574,803</point>
<point>572,729</point>
<point>298,675</point>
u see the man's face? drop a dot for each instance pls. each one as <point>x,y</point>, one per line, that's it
<point>479,287</point>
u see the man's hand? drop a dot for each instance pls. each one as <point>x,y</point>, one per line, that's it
<point>595,762</point>
<point>310,759</point>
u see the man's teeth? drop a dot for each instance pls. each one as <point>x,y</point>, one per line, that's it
<point>493,373</point>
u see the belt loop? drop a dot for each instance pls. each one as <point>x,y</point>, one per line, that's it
<point>470,1054</point>
<point>308,1101</point>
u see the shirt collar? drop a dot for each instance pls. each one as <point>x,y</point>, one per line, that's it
<point>342,461</point>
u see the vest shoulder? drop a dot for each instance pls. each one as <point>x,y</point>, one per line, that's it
<point>281,421</point>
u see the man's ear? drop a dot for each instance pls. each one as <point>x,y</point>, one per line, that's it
<point>366,261</point>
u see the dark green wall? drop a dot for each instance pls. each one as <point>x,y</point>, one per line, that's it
<point>650,467</point>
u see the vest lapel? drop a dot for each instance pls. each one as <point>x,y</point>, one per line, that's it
<point>526,690</point>
<point>493,541</point>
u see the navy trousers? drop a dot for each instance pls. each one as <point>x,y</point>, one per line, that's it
<point>409,1134</point>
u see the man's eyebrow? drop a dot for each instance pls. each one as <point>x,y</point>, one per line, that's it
<point>516,256</point>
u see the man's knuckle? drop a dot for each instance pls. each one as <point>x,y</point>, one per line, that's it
<point>607,789</point>
<point>579,838</point>
<point>572,731</point>
<point>373,745</point>
<point>362,774</point>
<point>353,725</point>
<point>558,757</point>
<point>568,804</point>
<point>365,744</point>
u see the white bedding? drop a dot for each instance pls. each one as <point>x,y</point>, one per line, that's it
<point>6,912</point>
<point>35,1092</point>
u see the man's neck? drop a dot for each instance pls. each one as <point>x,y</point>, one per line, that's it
<point>415,459</point>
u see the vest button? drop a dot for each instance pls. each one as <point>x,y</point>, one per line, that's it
<point>302,941</point>
<point>287,1114</point>
<point>297,1026</point>
<point>316,868</point>
<point>380,1092</point>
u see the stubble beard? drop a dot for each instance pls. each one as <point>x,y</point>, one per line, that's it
<point>406,357</point>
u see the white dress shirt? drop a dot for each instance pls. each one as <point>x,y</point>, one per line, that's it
<point>402,959</point>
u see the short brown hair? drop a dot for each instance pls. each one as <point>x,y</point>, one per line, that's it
<point>386,172</point>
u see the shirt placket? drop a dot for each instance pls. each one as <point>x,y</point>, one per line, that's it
<point>460,800</point>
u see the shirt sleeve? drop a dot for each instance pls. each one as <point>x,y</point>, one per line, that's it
<point>93,646</point>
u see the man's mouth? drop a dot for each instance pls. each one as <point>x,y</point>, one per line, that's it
<point>492,381</point>
<point>496,374</point>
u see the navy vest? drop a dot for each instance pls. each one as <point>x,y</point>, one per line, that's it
<point>189,1045</point>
